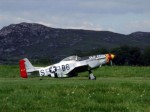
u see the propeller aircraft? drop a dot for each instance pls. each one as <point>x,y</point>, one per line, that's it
<point>68,67</point>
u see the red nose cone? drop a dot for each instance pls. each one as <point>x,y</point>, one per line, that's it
<point>110,57</point>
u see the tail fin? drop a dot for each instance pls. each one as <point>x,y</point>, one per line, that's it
<point>25,67</point>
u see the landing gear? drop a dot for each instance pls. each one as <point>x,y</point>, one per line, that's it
<point>91,75</point>
<point>55,74</point>
<point>41,77</point>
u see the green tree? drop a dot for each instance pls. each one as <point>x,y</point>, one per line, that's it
<point>146,56</point>
<point>135,56</point>
<point>122,54</point>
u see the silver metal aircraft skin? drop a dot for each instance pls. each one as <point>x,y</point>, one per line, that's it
<point>68,67</point>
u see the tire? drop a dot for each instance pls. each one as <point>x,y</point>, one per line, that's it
<point>92,79</point>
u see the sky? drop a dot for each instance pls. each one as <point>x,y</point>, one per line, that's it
<point>120,16</point>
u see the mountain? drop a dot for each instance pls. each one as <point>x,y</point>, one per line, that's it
<point>33,40</point>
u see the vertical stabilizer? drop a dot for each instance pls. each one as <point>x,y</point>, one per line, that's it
<point>25,68</point>
<point>28,65</point>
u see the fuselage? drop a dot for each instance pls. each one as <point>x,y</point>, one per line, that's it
<point>73,64</point>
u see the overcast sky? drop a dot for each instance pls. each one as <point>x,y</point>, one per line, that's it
<point>121,16</point>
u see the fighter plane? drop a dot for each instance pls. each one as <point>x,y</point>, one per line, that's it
<point>68,67</point>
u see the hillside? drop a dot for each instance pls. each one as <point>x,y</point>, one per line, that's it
<point>33,40</point>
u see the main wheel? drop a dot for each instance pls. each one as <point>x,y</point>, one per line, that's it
<point>92,78</point>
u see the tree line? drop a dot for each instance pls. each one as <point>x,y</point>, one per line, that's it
<point>125,55</point>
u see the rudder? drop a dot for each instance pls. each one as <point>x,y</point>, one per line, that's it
<point>23,72</point>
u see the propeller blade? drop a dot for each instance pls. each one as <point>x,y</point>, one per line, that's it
<point>111,62</point>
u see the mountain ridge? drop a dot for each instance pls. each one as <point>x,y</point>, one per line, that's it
<point>34,40</point>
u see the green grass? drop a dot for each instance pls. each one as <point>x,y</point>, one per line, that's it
<point>117,89</point>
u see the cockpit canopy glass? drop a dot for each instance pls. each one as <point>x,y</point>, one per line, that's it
<point>70,58</point>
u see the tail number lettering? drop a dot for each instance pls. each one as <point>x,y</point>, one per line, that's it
<point>65,67</point>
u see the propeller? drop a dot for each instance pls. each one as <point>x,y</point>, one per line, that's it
<point>109,58</point>
<point>111,63</point>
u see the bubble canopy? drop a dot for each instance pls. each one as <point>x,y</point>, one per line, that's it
<point>72,58</point>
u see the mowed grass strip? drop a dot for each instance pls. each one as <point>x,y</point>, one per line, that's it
<point>109,93</point>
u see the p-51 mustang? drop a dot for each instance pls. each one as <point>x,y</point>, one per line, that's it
<point>68,67</point>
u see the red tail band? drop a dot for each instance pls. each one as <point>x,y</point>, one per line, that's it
<point>23,72</point>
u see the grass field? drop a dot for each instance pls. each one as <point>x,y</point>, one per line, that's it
<point>117,89</point>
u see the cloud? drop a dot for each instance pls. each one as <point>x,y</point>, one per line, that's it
<point>9,19</point>
<point>116,6</point>
<point>85,25</point>
<point>114,15</point>
<point>139,26</point>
